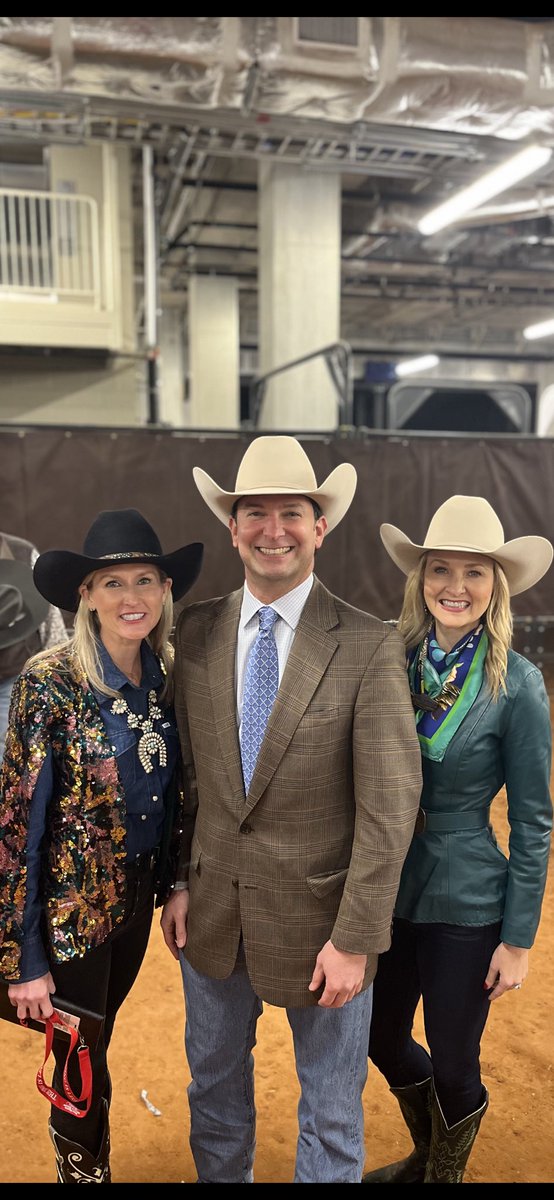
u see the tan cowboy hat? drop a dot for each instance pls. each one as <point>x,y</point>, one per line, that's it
<point>469,524</point>
<point>279,466</point>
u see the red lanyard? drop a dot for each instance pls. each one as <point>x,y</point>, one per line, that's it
<point>85,1069</point>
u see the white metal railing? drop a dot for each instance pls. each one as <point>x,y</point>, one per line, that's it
<point>49,246</point>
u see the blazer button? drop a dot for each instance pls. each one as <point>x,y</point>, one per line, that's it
<point>246,828</point>
<point>235,883</point>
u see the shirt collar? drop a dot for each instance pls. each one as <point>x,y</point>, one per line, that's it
<point>152,676</point>
<point>289,606</point>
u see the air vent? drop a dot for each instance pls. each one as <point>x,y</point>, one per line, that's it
<point>334,47</point>
<point>340,32</point>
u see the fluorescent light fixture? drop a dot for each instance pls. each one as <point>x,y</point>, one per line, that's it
<point>543,329</point>
<point>412,365</point>
<point>495,181</point>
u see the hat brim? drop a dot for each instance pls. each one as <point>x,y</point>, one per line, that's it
<point>334,496</point>
<point>36,607</point>
<point>58,574</point>
<point>524,560</point>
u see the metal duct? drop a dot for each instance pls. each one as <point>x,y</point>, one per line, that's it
<point>473,75</point>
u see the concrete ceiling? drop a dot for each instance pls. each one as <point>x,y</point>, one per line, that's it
<point>406,109</point>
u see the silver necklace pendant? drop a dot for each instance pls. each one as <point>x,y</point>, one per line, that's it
<point>150,742</point>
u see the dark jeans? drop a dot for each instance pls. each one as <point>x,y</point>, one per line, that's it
<point>446,965</point>
<point>100,981</point>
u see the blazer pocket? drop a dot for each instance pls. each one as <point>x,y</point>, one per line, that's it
<point>196,855</point>
<point>322,885</point>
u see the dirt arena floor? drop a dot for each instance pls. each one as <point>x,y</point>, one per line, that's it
<point>515,1145</point>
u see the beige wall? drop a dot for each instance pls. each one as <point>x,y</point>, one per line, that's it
<point>73,394</point>
<point>102,172</point>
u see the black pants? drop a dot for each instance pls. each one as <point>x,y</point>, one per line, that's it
<point>446,965</point>
<point>100,981</point>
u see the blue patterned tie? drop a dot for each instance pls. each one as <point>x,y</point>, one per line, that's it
<point>261,682</point>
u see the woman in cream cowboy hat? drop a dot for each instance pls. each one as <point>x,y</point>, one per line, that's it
<point>465,915</point>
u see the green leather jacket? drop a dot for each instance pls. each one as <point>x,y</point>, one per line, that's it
<point>454,871</point>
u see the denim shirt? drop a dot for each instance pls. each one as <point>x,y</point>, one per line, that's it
<point>144,793</point>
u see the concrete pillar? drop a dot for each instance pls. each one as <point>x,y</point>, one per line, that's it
<point>299,293</point>
<point>213,329</point>
<point>172,367</point>
<point>544,423</point>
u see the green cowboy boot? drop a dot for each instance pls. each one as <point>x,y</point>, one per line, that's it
<point>415,1104</point>
<point>451,1146</point>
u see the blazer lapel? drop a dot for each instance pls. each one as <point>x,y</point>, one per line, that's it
<point>221,646</point>
<point>312,650</point>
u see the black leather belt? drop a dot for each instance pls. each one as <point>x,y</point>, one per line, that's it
<point>142,863</point>
<point>450,822</point>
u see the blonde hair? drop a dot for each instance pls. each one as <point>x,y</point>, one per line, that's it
<point>83,646</point>
<point>413,622</point>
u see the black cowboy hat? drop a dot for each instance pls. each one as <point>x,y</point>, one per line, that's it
<point>22,610</point>
<point>117,536</point>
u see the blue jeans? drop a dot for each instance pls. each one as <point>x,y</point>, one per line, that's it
<point>330,1046</point>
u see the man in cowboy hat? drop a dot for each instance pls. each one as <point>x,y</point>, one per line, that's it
<point>303,786</point>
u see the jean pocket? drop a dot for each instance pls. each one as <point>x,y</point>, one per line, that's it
<point>124,746</point>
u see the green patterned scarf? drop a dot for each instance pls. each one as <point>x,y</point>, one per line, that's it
<point>454,680</point>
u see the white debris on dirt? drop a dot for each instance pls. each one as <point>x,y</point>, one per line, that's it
<point>151,1107</point>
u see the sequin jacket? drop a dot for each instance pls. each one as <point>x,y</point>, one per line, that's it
<point>83,879</point>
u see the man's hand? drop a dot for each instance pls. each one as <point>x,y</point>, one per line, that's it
<point>32,999</point>
<point>174,921</point>
<point>341,972</point>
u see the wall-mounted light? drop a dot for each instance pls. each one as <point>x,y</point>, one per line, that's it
<point>542,329</point>
<point>412,365</point>
<point>498,180</point>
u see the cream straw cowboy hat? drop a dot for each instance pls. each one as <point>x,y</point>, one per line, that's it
<point>469,524</point>
<point>279,466</point>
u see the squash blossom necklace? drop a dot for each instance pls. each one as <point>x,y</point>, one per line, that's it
<point>150,742</point>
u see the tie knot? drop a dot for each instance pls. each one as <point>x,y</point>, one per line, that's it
<point>268,617</point>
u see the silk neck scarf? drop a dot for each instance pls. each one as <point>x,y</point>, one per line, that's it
<point>452,678</point>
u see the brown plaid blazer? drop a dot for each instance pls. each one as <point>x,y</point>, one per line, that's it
<point>315,850</point>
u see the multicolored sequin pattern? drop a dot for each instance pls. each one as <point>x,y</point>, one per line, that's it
<point>83,878</point>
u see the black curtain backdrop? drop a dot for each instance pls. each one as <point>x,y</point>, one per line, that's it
<point>53,482</point>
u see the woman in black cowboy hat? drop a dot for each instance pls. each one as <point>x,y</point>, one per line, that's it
<point>88,799</point>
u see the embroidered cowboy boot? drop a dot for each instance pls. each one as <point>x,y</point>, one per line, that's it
<point>415,1105</point>
<point>74,1164</point>
<point>451,1146</point>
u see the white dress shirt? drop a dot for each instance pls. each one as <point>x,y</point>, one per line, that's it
<point>289,608</point>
